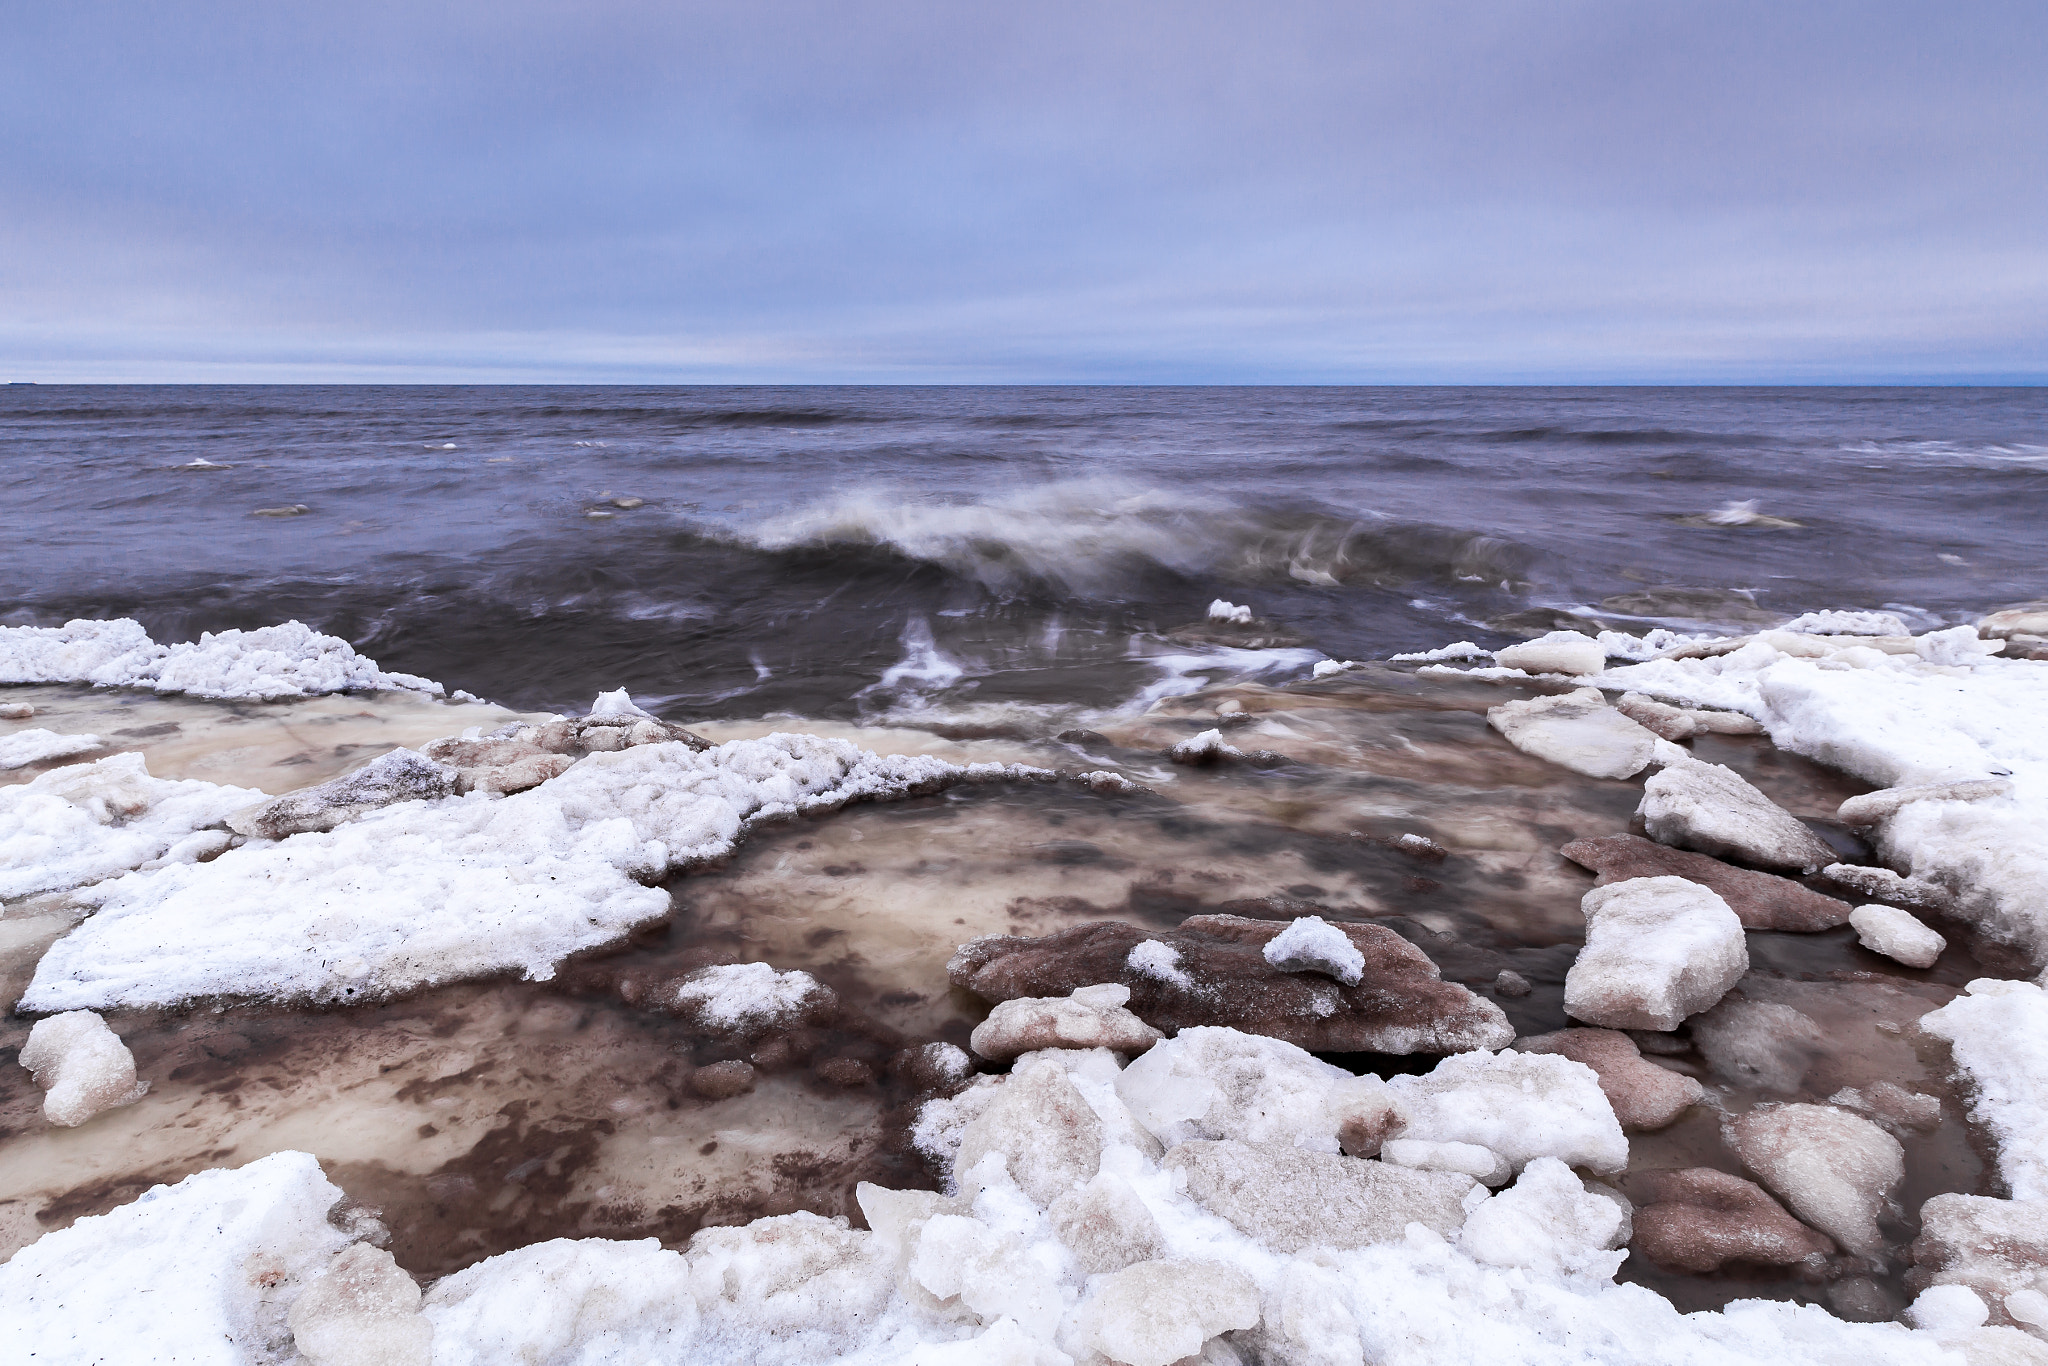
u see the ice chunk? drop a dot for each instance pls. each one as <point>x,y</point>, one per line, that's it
<point>1839,623</point>
<point>362,1311</point>
<point>1679,723</point>
<point>1945,1308</point>
<point>1330,668</point>
<point>1959,645</point>
<point>543,1302</point>
<point>1996,1247</point>
<point>1835,1170</point>
<point>16,711</point>
<point>1463,649</point>
<point>990,1270</point>
<point>1483,1165</point>
<point>1218,1083</point>
<point>289,660</point>
<point>1897,935</point>
<point>1312,944</point>
<point>1520,1105</point>
<point>402,775</point>
<point>1049,1137</point>
<point>1088,1017</point>
<point>1558,652</point>
<point>35,746</point>
<point>1999,1031</point>
<point>1644,1095</point>
<point>1657,950</point>
<point>1762,1044</point>
<point>1872,807</point>
<point>200,1272</point>
<point>1890,1105</point>
<point>1547,1223</point>
<point>1156,1313</point>
<point>1106,1226</point>
<point>1712,809</point>
<point>1696,1219</point>
<point>743,997</point>
<point>617,703</point>
<point>1219,610</point>
<point>82,1066</point>
<point>1290,1199</point>
<point>1579,731</point>
<point>1205,748</point>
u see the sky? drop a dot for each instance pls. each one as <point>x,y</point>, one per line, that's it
<point>1120,191</point>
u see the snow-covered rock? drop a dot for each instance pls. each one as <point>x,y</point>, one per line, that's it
<point>1658,949</point>
<point>1088,1017</point>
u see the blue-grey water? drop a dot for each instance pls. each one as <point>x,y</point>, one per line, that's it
<point>833,550</point>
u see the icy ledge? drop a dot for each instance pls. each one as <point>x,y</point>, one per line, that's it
<point>267,664</point>
<point>432,891</point>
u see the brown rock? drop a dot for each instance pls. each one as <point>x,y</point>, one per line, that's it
<point>846,1072</point>
<point>1698,1218</point>
<point>1221,977</point>
<point>1644,1095</point>
<point>1761,901</point>
<point>723,1080</point>
<point>504,766</point>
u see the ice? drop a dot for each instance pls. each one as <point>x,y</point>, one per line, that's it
<point>1959,646</point>
<point>1212,1083</point>
<point>1350,1202</point>
<point>202,1272</point>
<point>1463,649</point>
<point>82,1066</point>
<point>1711,809</point>
<point>542,1304</point>
<point>1579,731</point>
<point>1696,1219</point>
<point>1945,1307</point>
<point>617,703</point>
<point>1999,1034</point>
<point>1839,623</point>
<point>1047,1135</point>
<point>1483,1165</point>
<point>362,1311</point>
<point>749,996</point>
<point>1088,1017</point>
<point>1548,1224</point>
<point>1330,668</point>
<point>1644,1095</point>
<point>1206,748</point>
<point>88,822</point>
<point>272,662</point>
<point>1766,1045</point>
<point>1834,1169</point>
<point>1219,610</point>
<point>1999,1248</point>
<point>402,775</point>
<point>1156,1313</point>
<point>36,745</point>
<point>16,711</point>
<point>1873,807</point>
<point>1520,1105</point>
<point>1896,935</point>
<point>1658,949</point>
<point>1312,944</point>
<point>461,887</point>
<point>1679,723</point>
<point>1559,652</point>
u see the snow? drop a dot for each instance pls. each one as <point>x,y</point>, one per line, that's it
<point>272,662</point>
<point>88,822</point>
<point>1159,961</point>
<point>1312,944</point>
<point>82,1066</point>
<point>36,745</point>
<point>1463,649</point>
<point>1330,668</point>
<point>1840,623</point>
<point>747,995</point>
<point>1219,610</point>
<point>1520,1105</point>
<point>1999,1031</point>
<point>425,892</point>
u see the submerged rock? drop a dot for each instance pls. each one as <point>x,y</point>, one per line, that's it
<point>1761,901</point>
<point>1089,1017</point>
<point>82,1066</point>
<point>1760,1044</point>
<point>1658,949</point>
<point>1710,808</point>
<point>1219,976</point>
<point>1578,731</point>
<point>403,775</point>
<point>1699,1219</point>
<point>1644,1095</point>
<point>1837,1171</point>
<point>1290,1199</point>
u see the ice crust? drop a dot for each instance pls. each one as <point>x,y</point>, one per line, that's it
<point>424,892</point>
<point>1581,732</point>
<point>272,662</point>
<point>87,822</point>
<point>36,745</point>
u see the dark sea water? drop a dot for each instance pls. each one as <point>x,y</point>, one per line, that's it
<point>848,551</point>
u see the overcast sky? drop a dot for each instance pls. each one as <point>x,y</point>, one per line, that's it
<point>1501,190</point>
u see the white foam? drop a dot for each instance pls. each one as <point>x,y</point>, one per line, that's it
<point>272,662</point>
<point>36,745</point>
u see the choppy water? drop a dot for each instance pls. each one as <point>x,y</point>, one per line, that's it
<point>848,551</point>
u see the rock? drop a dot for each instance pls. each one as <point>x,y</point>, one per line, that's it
<point>1761,901</point>
<point>1483,1165</point>
<point>503,766</point>
<point>82,1066</point>
<point>1507,982</point>
<point>723,1080</point>
<point>362,1311</point>
<point>1644,1095</point>
<point>1709,808</point>
<point>1106,1226</point>
<point>1996,1247</point>
<point>1578,731</point>
<point>1210,1083</point>
<point>1157,1313</point>
<point>1520,1105</point>
<point>1400,1004</point>
<point>1548,1223</point>
<point>1835,1170</point>
<point>614,724</point>
<point>848,1072</point>
<point>1312,944</point>
<point>1089,1017</point>
<point>2026,618</point>
<point>1049,1137</point>
<point>1698,1219</point>
<point>1658,949</point>
<point>1883,884</point>
<point>1555,652</point>
<point>403,775</point>
<point>1897,935</point>
<point>1290,1199</point>
<point>1872,807</point>
<point>1758,1044</point>
<point>1682,723</point>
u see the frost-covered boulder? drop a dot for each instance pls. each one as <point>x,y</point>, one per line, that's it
<point>1290,1199</point>
<point>88,822</point>
<point>39,746</point>
<point>1711,809</point>
<point>1657,950</point>
<point>1578,731</point>
<point>1836,1170</point>
<point>82,1066</point>
<point>1644,1095</point>
<point>1520,1105</point>
<point>363,1310</point>
<point>1088,1017</point>
<point>402,775</point>
<point>1761,901</point>
<point>1697,1219</point>
<point>1547,1224</point>
<point>1558,652</point>
<point>1208,1083</point>
<point>1897,935</point>
<point>1212,970</point>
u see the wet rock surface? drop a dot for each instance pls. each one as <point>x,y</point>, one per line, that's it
<point>1698,1219</point>
<point>1761,901</point>
<point>403,775</point>
<point>1400,1005</point>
